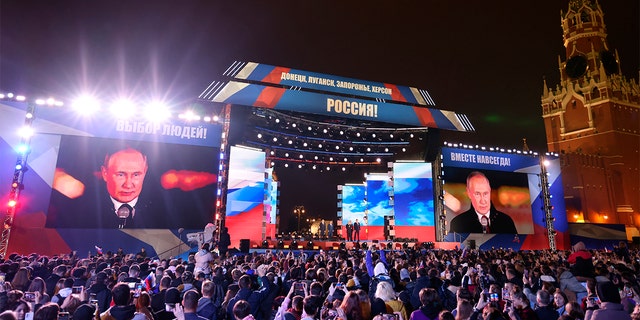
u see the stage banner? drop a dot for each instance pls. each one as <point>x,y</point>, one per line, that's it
<point>103,124</point>
<point>413,194</point>
<point>261,72</point>
<point>278,98</point>
<point>485,160</point>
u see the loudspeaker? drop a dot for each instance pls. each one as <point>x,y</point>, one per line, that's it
<point>472,244</point>
<point>244,245</point>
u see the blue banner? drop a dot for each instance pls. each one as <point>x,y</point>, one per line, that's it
<point>485,160</point>
<point>68,122</point>
<point>318,81</point>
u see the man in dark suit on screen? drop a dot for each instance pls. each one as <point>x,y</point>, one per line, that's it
<point>482,217</point>
<point>124,172</point>
<point>114,200</point>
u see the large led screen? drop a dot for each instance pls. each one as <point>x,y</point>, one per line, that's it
<point>109,183</point>
<point>413,194</point>
<point>353,203</point>
<point>378,199</point>
<point>271,197</point>
<point>502,196</point>
<point>246,193</point>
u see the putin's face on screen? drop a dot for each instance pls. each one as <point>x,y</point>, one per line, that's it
<point>479,191</point>
<point>124,173</point>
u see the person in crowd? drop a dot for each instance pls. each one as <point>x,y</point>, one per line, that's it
<point>608,307</point>
<point>242,311</point>
<point>84,312</point>
<point>465,310</point>
<point>133,274</point>
<point>569,284</point>
<point>21,280</point>
<point>100,291</point>
<point>206,306</point>
<point>8,315</point>
<point>78,275</point>
<point>143,305</point>
<point>311,307</point>
<point>350,308</point>
<point>51,281</point>
<point>190,305</point>
<point>482,217</point>
<point>49,311</point>
<point>386,293</point>
<point>246,293</point>
<point>22,308</point>
<point>430,305</point>
<point>203,259</point>
<point>64,292</point>
<point>545,309</point>
<point>38,285</point>
<point>560,301</point>
<point>521,307</point>
<point>158,300</point>
<point>122,309</point>
<point>581,263</point>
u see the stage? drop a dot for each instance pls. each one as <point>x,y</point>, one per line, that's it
<point>313,245</point>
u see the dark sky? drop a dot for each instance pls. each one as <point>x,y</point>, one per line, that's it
<point>486,59</point>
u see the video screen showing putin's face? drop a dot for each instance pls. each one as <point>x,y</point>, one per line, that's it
<point>124,173</point>
<point>479,192</point>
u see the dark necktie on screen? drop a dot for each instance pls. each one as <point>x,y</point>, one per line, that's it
<point>125,215</point>
<point>485,224</point>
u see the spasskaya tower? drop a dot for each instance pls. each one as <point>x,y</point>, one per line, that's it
<point>592,120</point>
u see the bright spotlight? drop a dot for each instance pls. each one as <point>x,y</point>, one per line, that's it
<point>123,108</point>
<point>26,132</point>
<point>23,148</point>
<point>157,111</point>
<point>86,105</point>
<point>546,163</point>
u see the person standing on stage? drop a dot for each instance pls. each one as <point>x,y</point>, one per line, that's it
<point>323,229</point>
<point>349,228</point>
<point>356,228</point>
<point>329,229</point>
<point>225,242</point>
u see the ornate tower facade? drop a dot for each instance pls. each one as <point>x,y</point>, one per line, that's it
<point>592,119</point>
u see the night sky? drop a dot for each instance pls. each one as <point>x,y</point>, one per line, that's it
<point>486,59</point>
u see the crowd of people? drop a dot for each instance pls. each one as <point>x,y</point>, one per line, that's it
<point>414,283</point>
